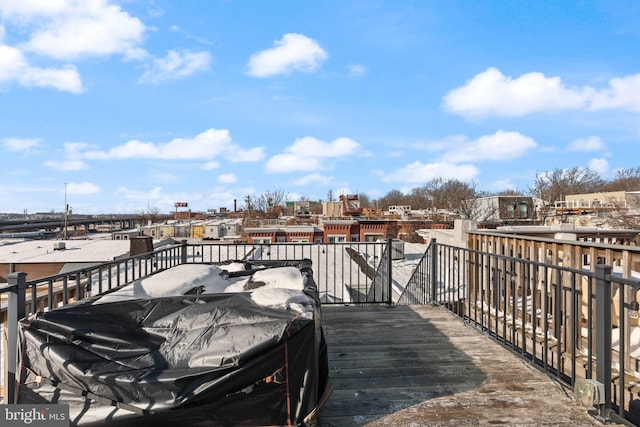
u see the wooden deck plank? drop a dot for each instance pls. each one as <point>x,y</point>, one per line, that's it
<point>421,366</point>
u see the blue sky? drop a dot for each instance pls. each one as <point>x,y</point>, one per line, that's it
<point>126,105</point>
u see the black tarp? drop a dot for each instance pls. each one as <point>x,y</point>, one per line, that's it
<point>208,359</point>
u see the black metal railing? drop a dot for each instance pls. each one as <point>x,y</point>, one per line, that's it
<point>570,323</point>
<point>353,273</point>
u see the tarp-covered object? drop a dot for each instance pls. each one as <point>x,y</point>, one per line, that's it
<point>195,359</point>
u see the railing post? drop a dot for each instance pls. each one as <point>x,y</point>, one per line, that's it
<point>16,310</point>
<point>390,270</point>
<point>434,269</point>
<point>183,252</point>
<point>603,335</point>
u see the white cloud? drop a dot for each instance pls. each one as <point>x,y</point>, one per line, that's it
<point>66,165</point>
<point>593,143</point>
<point>309,154</point>
<point>418,172</point>
<point>14,68</point>
<point>502,145</point>
<point>622,93</point>
<point>294,52</point>
<point>82,188</point>
<point>207,145</point>
<point>314,178</point>
<point>32,8</point>
<point>294,196</point>
<point>72,29</point>
<point>26,145</point>
<point>166,176</point>
<point>157,197</point>
<point>177,65</point>
<point>458,154</point>
<point>75,149</point>
<point>599,165</point>
<point>492,93</point>
<point>155,194</point>
<point>357,70</point>
<point>255,154</point>
<point>73,158</point>
<point>342,190</point>
<point>227,178</point>
<point>211,165</point>
<point>504,184</point>
<point>64,79</point>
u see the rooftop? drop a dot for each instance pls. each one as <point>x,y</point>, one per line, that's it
<point>45,251</point>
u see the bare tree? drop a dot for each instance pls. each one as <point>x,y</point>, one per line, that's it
<point>248,205</point>
<point>419,198</point>
<point>392,198</point>
<point>622,216</point>
<point>451,194</point>
<point>268,204</point>
<point>625,180</point>
<point>554,185</point>
<point>152,214</point>
<point>365,201</point>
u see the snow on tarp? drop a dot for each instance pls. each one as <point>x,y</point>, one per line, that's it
<point>193,344</point>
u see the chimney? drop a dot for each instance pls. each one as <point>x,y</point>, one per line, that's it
<point>235,207</point>
<point>140,245</point>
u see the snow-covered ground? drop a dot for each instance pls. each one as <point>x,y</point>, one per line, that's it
<point>337,273</point>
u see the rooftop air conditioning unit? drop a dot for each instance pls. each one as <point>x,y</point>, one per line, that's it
<point>59,246</point>
<point>589,392</point>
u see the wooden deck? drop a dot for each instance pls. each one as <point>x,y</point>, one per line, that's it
<point>421,366</point>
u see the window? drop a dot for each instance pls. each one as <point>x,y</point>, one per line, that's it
<point>337,239</point>
<point>510,210</point>
<point>523,210</point>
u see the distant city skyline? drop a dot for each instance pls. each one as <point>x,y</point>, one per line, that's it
<point>119,107</point>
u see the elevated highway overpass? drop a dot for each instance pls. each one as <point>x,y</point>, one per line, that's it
<point>74,221</point>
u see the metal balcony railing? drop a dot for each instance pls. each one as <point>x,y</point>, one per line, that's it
<point>570,323</point>
<point>348,273</point>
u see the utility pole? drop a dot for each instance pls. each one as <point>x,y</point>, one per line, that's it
<point>248,201</point>
<point>66,213</point>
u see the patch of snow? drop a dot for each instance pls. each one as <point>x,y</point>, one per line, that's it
<point>282,277</point>
<point>277,287</point>
<point>234,267</point>
<point>283,298</point>
<point>175,281</point>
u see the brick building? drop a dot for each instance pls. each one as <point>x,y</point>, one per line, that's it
<point>290,234</point>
